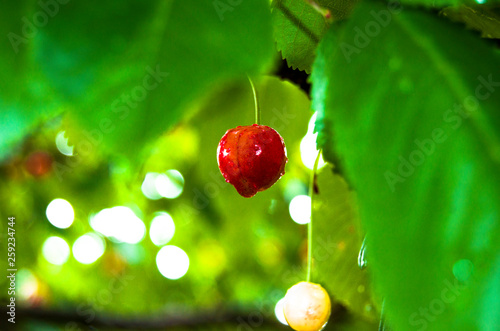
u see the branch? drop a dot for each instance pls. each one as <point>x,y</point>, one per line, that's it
<point>73,319</point>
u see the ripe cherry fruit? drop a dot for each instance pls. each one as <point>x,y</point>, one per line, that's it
<point>251,158</point>
<point>307,307</point>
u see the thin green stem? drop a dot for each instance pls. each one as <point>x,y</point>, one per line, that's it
<point>256,101</point>
<point>310,225</point>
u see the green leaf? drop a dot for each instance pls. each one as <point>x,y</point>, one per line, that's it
<point>298,27</point>
<point>128,82</point>
<point>336,244</point>
<point>481,18</point>
<point>414,110</point>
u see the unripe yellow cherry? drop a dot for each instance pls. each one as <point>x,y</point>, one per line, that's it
<point>307,307</point>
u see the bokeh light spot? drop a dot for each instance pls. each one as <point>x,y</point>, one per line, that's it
<point>27,283</point>
<point>148,186</point>
<point>300,209</point>
<point>308,150</point>
<point>119,224</point>
<point>170,184</point>
<point>172,262</point>
<point>55,250</point>
<point>60,213</point>
<point>162,229</point>
<point>62,144</point>
<point>88,248</point>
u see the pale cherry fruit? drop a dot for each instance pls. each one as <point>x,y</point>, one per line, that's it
<point>307,307</point>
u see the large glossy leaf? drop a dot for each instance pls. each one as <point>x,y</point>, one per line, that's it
<point>412,101</point>
<point>298,27</point>
<point>128,81</point>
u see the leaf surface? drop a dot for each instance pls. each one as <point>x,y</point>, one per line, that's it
<point>298,27</point>
<point>414,115</point>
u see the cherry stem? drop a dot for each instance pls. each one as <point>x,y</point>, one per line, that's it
<point>309,225</point>
<point>257,108</point>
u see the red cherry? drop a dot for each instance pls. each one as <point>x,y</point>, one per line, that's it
<point>251,158</point>
<point>38,163</point>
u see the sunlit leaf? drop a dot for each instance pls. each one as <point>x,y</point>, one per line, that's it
<point>336,243</point>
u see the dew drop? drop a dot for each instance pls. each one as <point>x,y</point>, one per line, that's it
<point>361,256</point>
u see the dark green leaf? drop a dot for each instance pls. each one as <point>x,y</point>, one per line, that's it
<point>415,119</point>
<point>298,27</point>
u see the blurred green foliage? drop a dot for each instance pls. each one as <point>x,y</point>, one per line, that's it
<point>141,88</point>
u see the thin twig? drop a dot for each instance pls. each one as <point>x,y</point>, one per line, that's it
<point>256,101</point>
